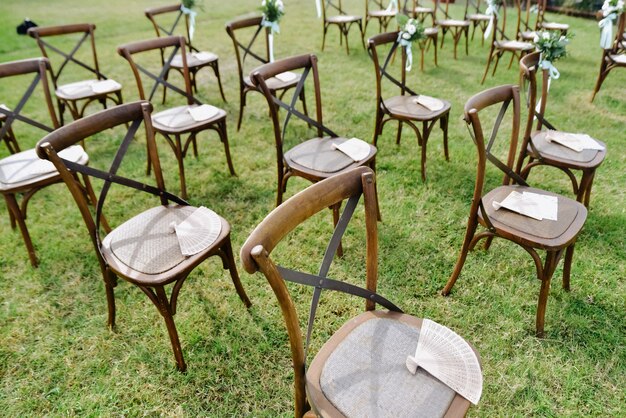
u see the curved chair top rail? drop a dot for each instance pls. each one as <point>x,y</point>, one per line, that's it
<point>383,38</point>
<point>26,66</point>
<point>153,11</point>
<point>292,63</point>
<point>243,23</point>
<point>150,44</point>
<point>42,31</point>
<point>489,97</point>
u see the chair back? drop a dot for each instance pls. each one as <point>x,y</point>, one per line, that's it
<point>166,21</point>
<point>250,40</point>
<point>132,115</point>
<point>378,5</point>
<point>499,24</point>
<point>528,11</point>
<point>331,8</point>
<point>171,47</point>
<point>473,7</point>
<point>529,65</point>
<point>382,49</point>
<point>257,250</point>
<point>84,32</point>
<point>38,68</point>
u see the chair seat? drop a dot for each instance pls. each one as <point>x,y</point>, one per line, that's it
<point>406,107</point>
<point>273,83</point>
<point>560,155</point>
<point>424,10</point>
<point>343,19</point>
<point>26,168</point>
<point>545,234</point>
<point>382,13</point>
<point>555,26</point>
<point>618,59</point>
<point>528,35</point>
<point>194,59</point>
<point>514,45</point>
<point>453,22</point>
<point>319,155</point>
<point>431,31</point>
<point>85,89</point>
<point>479,16</point>
<point>178,120</point>
<point>361,372</point>
<point>146,245</point>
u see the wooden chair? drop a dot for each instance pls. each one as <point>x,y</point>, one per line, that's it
<point>541,20</point>
<point>76,95</point>
<point>381,10</point>
<point>145,249</point>
<point>419,11</point>
<point>540,151</point>
<point>9,137</point>
<point>456,27</point>
<point>475,14</point>
<point>528,11</point>
<point>554,237</point>
<point>343,20</point>
<point>177,122</point>
<point>250,40</point>
<point>432,33</point>
<point>501,44</point>
<point>404,107</point>
<point>615,57</point>
<point>166,21</point>
<point>313,159</point>
<point>360,370</point>
<point>23,173</point>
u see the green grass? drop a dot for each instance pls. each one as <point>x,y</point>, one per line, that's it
<point>57,356</point>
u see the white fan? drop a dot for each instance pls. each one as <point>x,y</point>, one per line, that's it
<point>354,148</point>
<point>198,231</point>
<point>448,357</point>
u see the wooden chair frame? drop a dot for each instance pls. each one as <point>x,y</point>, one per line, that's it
<point>343,24</point>
<point>611,58</point>
<point>379,12</point>
<point>419,12</point>
<point>457,28</point>
<point>476,17</point>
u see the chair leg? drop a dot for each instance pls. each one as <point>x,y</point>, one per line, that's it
<point>552,257</point>
<point>232,268</point>
<point>165,310</point>
<point>567,266</point>
<point>324,36</point>
<point>399,133</point>
<point>216,70</point>
<point>469,235</point>
<point>20,219</point>
<point>443,124</point>
<point>242,104</point>
<point>224,137</point>
<point>601,76</point>
<point>336,215</point>
<point>110,281</point>
<point>181,166</point>
<point>488,65</point>
<point>378,125</point>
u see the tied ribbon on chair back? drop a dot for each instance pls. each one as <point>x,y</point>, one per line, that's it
<point>272,10</point>
<point>552,46</point>
<point>318,7</point>
<point>186,8</point>
<point>492,12</point>
<point>393,6</point>
<point>610,10</point>
<point>411,30</point>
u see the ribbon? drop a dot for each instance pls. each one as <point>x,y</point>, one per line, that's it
<point>393,6</point>
<point>492,11</point>
<point>606,34</point>
<point>553,74</point>
<point>273,25</point>
<point>192,19</point>
<point>318,6</point>
<point>408,47</point>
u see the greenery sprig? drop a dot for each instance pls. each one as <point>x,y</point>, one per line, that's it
<point>552,45</point>
<point>272,10</point>
<point>411,30</point>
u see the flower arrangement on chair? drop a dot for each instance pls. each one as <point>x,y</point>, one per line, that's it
<point>411,30</point>
<point>552,45</point>
<point>610,10</point>
<point>187,8</point>
<point>273,11</point>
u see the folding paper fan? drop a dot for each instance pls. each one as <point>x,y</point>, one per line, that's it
<point>449,358</point>
<point>429,103</point>
<point>198,231</point>
<point>354,148</point>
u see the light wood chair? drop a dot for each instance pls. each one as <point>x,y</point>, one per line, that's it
<point>614,57</point>
<point>458,28</point>
<point>334,14</point>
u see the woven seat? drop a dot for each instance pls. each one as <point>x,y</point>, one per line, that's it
<point>194,59</point>
<point>178,119</point>
<point>511,45</point>
<point>478,16</point>
<point>86,88</point>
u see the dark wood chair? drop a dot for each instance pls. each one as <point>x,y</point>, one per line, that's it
<point>175,123</point>
<point>420,13</point>
<point>8,136</point>
<point>457,27</point>
<point>501,44</point>
<point>536,150</point>
<point>384,12</point>
<point>342,19</point>
<point>614,57</point>
<point>405,107</point>
<point>250,40</point>
<point>145,249</point>
<point>76,95</point>
<point>555,237</point>
<point>360,370</point>
<point>166,22</point>
<point>23,173</point>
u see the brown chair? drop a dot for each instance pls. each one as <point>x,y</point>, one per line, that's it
<point>313,159</point>
<point>419,11</point>
<point>76,95</point>
<point>542,6</point>
<point>456,27</point>
<point>9,137</point>
<point>539,151</point>
<point>250,40</point>
<point>615,57</point>
<point>384,12</point>
<point>404,107</point>
<point>342,19</point>
<point>554,237</point>
<point>143,250</point>
<point>432,33</point>
<point>528,11</point>
<point>501,44</point>
<point>23,173</point>
<point>166,21</point>
<point>475,14</point>
<point>177,122</point>
<point>360,370</point>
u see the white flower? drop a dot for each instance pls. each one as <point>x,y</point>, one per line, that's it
<point>545,35</point>
<point>411,28</point>
<point>406,36</point>
<point>536,38</point>
<point>280,5</point>
<point>263,3</point>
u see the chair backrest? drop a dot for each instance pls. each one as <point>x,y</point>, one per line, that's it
<point>529,66</point>
<point>499,23</point>
<point>257,250</point>
<point>332,7</point>
<point>376,5</point>
<point>619,41</point>
<point>308,65</point>
<point>250,40</point>
<point>130,114</point>
<point>528,11</point>
<point>505,96</point>
<point>166,21</point>
<point>39,69</point>
<point>473,7</point>
<point>85,32</point>
<point>169,47</point>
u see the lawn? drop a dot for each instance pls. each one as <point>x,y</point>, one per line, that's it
<point>57,356</point>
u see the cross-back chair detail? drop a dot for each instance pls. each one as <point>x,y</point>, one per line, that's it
<point>342,19</point>
<point>313,385</point>
<point>457,28</point>
<point>22,173</point>
<point>542,6</point>
<point>196,59</point>
<point>77,95</point>
<point>404,107</point>
<point>556,237</point>
<point>536,150</point>
<point>383,11</point>
<point>254,48</point>
<point>175,123</point>
<point>419,11</point>
<point>501,44</point>
<point>475,13</point>
<point>144,250</point>
<point>614,57</point>
<point>528,11</point>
